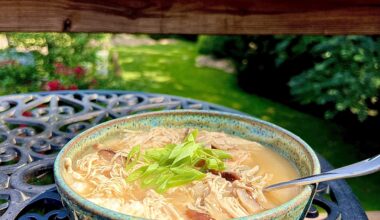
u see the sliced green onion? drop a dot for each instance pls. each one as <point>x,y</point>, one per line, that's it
<point>174,164</point>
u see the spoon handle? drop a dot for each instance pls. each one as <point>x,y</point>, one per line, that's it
<point>361,168</point>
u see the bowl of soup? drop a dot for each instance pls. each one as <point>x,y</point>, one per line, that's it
<point>184,165</point>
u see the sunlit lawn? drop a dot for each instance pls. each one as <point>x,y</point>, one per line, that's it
<point>171,69</point>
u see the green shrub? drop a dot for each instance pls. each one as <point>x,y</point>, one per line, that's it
<point>348,76</point>
<point>222,46</point>
<point>60,61</point>
<point>12,77</point>
<point>340,73</point>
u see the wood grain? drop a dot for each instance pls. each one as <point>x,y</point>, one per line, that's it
<point>193,16</point>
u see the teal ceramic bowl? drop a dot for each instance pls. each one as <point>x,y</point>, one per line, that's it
<point>285,143</point>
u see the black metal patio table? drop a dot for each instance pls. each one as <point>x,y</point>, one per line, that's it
<point>34,127</point>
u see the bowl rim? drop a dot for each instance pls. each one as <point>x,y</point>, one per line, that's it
<point>70,194</point>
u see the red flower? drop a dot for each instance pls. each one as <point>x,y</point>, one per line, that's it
<point>27,114</point>
<point>60,68</point>
<point>93,84</point>
<point>72,87</point>
<point>79,71</point>
<point>53,85</point>
<point>58,65</point>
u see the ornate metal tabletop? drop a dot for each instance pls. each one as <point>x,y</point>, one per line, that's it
<point>34,127</point>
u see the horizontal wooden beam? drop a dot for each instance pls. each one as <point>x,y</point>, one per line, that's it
<point>193,16</point>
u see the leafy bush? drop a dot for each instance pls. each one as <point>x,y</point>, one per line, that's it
<point>13,76</point>
<point>222,46</point>
<point>265,64</point>
<point>60,61</point>
<point>348,76</point>
<point>340,73</point>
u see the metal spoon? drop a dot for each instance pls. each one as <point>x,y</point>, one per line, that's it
<point>362,168</point>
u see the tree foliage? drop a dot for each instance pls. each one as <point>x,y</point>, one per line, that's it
<point>338,72</point>
<point>347,76</point>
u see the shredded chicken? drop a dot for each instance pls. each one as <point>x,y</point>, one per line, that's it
<point>99,175</point>
<point>156,207</point>
<point>247,201</point>
<point>223,199</point>
<point>155,137</point>
<point>153,206</point>
<point>225,142</point>
<point>192,214</point>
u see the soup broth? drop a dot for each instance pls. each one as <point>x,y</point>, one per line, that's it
<point>103,176</point>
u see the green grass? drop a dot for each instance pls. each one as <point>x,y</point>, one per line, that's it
<point>170,69</point>
<point>41,179</point>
